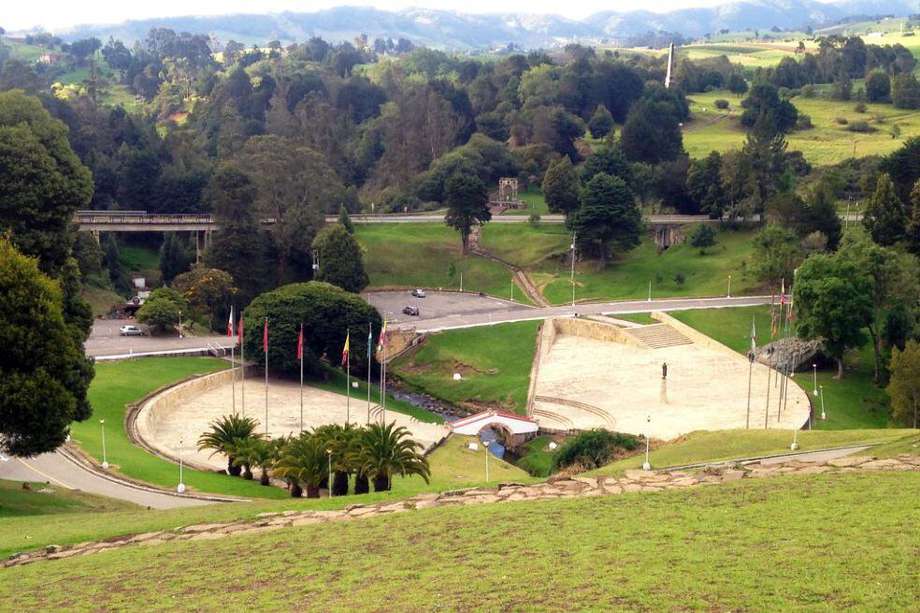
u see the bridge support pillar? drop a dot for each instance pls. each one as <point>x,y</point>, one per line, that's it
<point>197,247</point>
<point>95,234</point>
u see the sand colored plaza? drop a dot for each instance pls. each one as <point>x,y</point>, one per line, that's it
<point>185,411</point>
<point>592,374</point>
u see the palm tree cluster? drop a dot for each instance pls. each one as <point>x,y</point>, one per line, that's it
<point>370,454</point>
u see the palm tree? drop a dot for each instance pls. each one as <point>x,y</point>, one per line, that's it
<point>253,452</point>
<point>304,461</point>
<point>339,440</point>
<point>224,435</point>
<point>386,450</point>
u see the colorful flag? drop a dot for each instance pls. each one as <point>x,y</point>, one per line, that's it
<point>265,336</point>
<point>230,323</point>
<point>345,348</point>
<point>383,336</point>
<point>300,343</point>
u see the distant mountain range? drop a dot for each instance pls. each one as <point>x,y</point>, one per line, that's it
<point>461,31</point>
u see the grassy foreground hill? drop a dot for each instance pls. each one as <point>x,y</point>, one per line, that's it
<point>827,541</point>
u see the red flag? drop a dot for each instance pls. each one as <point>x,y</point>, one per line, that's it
<point>300,343</point>
<point>265,336</point>
<point>240,333</point>
<point>230,323</point>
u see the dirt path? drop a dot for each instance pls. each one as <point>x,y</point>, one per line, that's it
<point>554,489</point>
<point>520,275</point>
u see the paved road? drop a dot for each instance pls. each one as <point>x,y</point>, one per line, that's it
<point>60,471</point>
<point>449,310</point>
<point>104,340</point>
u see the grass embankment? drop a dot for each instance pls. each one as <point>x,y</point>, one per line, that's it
<point>828,142</point>
<point>100,300</point>
<point>119,383</point>
<point>494,362</point>
<point>421,255</point>
<point>628,277</point>
<point>639,318</point>
<point>536,456</point>
<point>721,445</point>
<point>140,260</point>
<point>452,464</point>
<point>525,245</point>
<point>851,402</point>
<point>44,499</point>
<point>758,544</point>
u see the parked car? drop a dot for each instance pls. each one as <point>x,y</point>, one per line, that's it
<point>418,293</point>
<point>411,310</point>
<point>130,331</point>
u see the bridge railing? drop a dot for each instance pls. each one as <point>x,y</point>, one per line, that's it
<point>123,217</point>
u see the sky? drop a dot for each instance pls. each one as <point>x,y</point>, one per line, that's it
<point>60,14</point>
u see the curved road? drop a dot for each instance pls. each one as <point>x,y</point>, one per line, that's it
<point>59,470</point>
<point>453,310</point>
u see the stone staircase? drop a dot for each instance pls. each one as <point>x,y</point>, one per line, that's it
<point>590,410</point>
<point>551,420</point>
<point>658,336</point>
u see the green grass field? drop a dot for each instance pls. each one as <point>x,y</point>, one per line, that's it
<point>639,318</point>
<point>452,464</point>
<point>628,276</point>
<point>851,402</point>
<point>826,143</point>
<point>43,499</point>
<point>421,255</point>
<point>721,445</point>
<point>494,362</point>
<point>525,245</point>
<point>801,542</point>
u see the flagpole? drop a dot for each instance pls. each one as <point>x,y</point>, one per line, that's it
<point>370,344</point>
<point>232,360</point>
<point>348,387</point>
<point>747,423</point>
<point>300,350</point>
<point>242,370</point>
<point>265,347</point>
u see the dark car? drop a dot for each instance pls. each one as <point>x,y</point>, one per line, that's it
<point>411,310</point>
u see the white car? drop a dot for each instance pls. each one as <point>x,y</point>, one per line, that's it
<point>418,293</point>
<point>130,331</point>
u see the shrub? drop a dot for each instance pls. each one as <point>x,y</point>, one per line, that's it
<point>860,126</point>
<point>534,219</point>
<point>808,91</point>
<point>895,131</point>
<point>721,103</point>
<point>161,311</point>
<point>804,122</point>
<point>841,120</point>
<point>860,107</point>
<point>680,279</point>
<point>593,449</point>
<point>703,236</point>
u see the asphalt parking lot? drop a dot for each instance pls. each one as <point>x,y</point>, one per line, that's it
<point>105,340</point>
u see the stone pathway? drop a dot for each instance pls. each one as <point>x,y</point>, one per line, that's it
<point>566,487</point>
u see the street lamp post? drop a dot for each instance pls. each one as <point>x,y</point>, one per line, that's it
<point>647,465</point>
<point>105,462</point>
<point>329,453</point>
<point>795,440</point>
<point>814,368</point>
<point>486,446</point>
<point>649,290</point>
<point>572,275</point>
<point>180,323</point>
<point>729,286</point>
<point>181,487</point>
<point>823,412</point>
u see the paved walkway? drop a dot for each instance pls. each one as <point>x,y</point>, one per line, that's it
<point>61,471</point>
<point>554,489</point>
